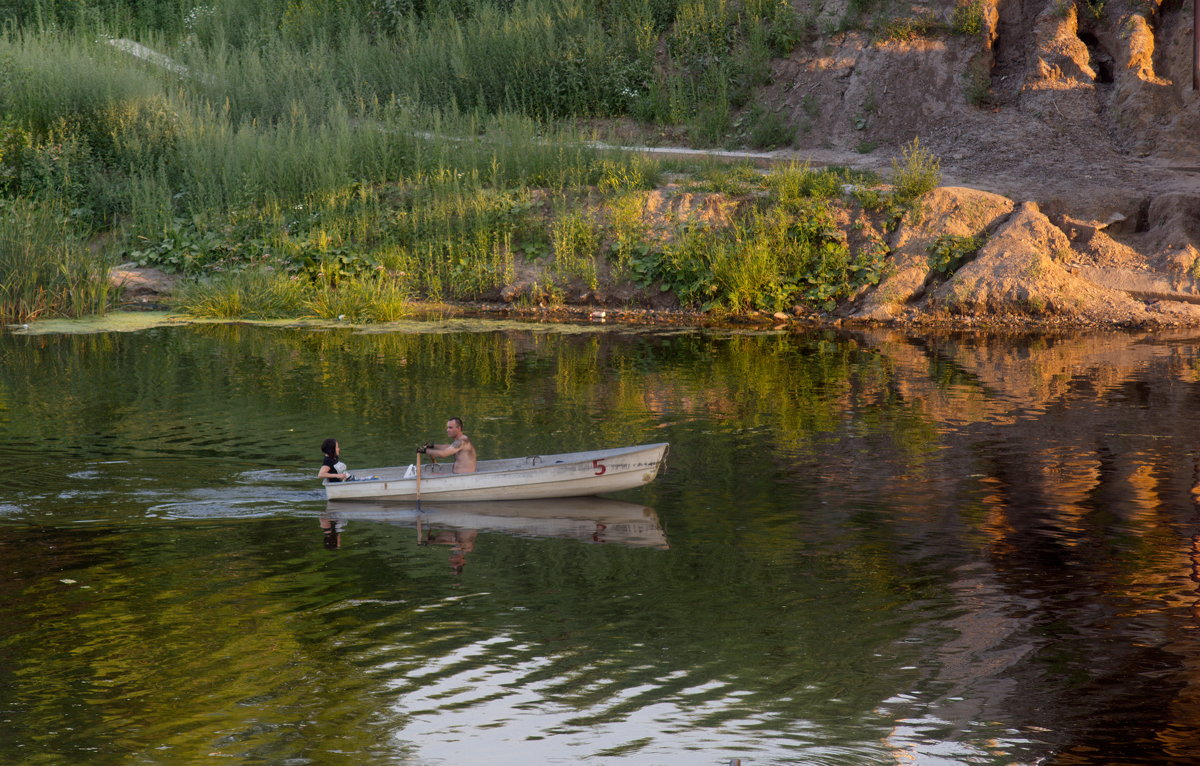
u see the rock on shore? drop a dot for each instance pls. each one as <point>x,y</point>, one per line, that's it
<point>141,286</point>
<point>1036,268</point>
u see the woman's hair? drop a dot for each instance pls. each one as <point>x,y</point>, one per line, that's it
<point>328,446</point>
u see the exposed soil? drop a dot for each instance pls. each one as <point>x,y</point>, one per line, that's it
<point>1085,110</point>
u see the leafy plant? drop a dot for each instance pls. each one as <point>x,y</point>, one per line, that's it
<point>909,28</point>
<point>968,18</point>
<point>682,266</point>
<point>769,130</point>
<point>948,252</point>
<point>796,182</point>
<point>576,241</point>
<point>916,172</point>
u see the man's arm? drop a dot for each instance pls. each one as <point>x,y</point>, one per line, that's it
<point>445,450</point>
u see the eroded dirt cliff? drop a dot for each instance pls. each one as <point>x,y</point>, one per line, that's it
<point>1080,116</point>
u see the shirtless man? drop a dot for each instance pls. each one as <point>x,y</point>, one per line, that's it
<point>460,447</point>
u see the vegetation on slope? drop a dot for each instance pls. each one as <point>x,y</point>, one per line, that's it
<point>322,156</point>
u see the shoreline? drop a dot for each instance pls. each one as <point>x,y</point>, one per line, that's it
<point>469,316</point>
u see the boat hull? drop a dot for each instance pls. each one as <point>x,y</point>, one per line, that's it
<point>572,474</point>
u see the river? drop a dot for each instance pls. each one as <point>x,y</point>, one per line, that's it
<point>867,547</point>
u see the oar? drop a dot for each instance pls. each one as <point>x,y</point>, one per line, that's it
<point>418,482</point>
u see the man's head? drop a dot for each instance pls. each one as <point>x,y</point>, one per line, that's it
<point>454,428</point>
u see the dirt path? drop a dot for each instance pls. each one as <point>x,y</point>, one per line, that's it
<point>1119,185</point>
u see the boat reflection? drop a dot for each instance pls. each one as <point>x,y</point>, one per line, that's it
<point>588,519</point>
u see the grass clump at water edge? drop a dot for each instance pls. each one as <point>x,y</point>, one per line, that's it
<point>267,294</point>
<point>45,270</point>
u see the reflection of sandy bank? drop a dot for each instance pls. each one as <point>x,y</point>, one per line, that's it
<point>977,378</point>
<point>1064,466</point>
<point>591,519</point>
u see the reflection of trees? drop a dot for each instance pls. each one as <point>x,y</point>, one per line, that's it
<point>1057,470</point>
<point>172,644</point>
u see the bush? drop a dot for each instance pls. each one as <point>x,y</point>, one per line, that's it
<point>916,173</point>
<point>769,130</point>
<point>968,18</point>
<point>948,252</point>
<point>796,182</point>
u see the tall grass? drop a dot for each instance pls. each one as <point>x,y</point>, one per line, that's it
<point>42,272</point>
<point>540,58</point>
<point>270,294</point>
<point>576,243</point>
<point>368,152</point>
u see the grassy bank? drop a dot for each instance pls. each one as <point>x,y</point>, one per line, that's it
<point>318,158</point>
<point>777,241</point>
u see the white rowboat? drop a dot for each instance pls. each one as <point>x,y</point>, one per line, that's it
<point>571,474</point>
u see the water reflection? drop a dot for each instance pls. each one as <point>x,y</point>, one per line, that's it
<point>883,548</point>
<point>587,519</point>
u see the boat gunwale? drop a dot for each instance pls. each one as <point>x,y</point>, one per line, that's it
<point>518,469</point>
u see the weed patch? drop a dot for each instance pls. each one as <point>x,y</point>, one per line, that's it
<point>968,18</point>
<point>948,252</point>
<point>916,172</point>
<point>44,272</point>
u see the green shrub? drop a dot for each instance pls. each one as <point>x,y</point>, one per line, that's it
<point>795,183</point>
<point>769,130</point>
<point>682,266</point>
<point>968,18</point>
<point>946,253</point>
<point>576,240</point>
<point>915,173</point>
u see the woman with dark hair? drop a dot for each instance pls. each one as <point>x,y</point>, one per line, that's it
<point>333,468</point>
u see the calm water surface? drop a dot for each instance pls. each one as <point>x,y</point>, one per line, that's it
<point>867,548</point>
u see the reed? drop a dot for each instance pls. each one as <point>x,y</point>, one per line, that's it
<point>385,151</point>
<point>250,294</point>
<point>576,240</point>
<point>42,272</point>
<point>377,299</point>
